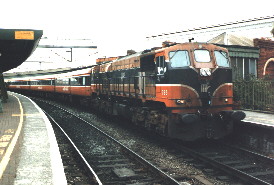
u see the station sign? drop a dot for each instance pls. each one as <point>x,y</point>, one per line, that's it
<point>26,35</point>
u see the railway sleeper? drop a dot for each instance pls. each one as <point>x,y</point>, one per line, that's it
<point>126,161</point>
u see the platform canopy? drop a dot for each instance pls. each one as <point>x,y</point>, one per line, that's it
<point>16,45</point>
<point>237,45</point>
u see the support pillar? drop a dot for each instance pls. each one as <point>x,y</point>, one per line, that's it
<point>3,89</point>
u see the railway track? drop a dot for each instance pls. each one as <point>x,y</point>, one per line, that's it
<point>111,161</point>
<point>76,168</point>
<point>249,167</point>
<point>237,165</point>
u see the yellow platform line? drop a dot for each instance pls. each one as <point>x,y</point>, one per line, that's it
<point>6,158</point>
<point>14,115</point>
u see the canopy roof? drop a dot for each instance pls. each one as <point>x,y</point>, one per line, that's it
<point>232,39</point>
<point>238,46</point>
<point>16,45</point>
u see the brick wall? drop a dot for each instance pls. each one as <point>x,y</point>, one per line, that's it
<point>266,52</point>
<point>270,69</point>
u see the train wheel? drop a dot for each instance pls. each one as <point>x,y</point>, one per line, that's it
<point>133,117</point>
<point>148,126</point>
<point>137,116</point>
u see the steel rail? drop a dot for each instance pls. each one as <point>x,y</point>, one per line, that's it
<point>255,154</point>
<point>77,150</point>
<point>153,168</point>
<point>142,160</point>
<point>235,172</point>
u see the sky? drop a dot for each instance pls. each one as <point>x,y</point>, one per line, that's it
<point>118,25</point>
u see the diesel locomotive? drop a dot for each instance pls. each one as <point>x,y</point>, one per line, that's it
<point>181,91</point>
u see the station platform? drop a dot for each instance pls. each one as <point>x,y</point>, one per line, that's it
<point>259,118</point>
<point>29,153</point>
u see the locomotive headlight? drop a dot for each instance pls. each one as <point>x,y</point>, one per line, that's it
<point>226,100</point>
<point>205,72</point>
<point>180,101</point>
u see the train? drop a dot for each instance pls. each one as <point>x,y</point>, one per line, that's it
<point>179,90</point>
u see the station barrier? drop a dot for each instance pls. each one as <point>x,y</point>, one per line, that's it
<point>254,94</point>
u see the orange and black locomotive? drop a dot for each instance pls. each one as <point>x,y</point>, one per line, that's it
<point>182,91</point>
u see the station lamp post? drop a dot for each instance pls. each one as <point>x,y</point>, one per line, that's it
<point>55,46</point>
<point>70,54</point>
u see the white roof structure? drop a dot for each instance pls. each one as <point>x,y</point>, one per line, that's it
<point>232,39</point>
<point>252,28</point>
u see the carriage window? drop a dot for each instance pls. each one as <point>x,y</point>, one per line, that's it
<point>80,80</point>
<point>221,58</point>
<point>34,83</point>
<point>20,83</point>
<point>62,81</point>
<point>202,55</point>
<point>179,58</point>
<point>44,82</point>
<point>74,81</point>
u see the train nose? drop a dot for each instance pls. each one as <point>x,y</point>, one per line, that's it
<point>238,115</point>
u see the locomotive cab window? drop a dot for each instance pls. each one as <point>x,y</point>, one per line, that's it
<point>161,65</point>
<point>221,58</point>
<point>202,55</point>
<point>179,59</point>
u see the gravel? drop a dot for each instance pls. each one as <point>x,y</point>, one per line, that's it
<point>145,145</point>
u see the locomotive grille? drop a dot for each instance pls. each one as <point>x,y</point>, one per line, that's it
<point>204,87</point>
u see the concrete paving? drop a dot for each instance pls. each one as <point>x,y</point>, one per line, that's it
<point>260,118</point>
<point>35,157</point>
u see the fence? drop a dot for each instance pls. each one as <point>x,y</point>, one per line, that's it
<point>255,94</point>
